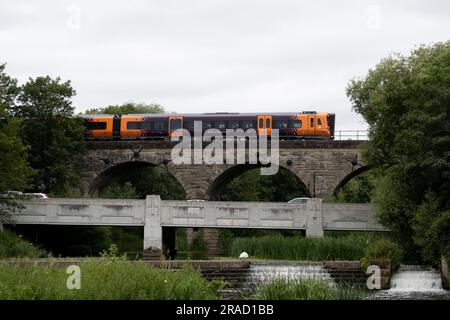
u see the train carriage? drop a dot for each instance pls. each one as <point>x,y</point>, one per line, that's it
<point>304,125</point>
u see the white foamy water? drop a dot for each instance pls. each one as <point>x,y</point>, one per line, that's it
<point>267,272</point>
<point>414,282</point>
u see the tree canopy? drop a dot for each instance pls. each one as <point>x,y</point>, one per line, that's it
<point>55,137</point>
<point>128,108</point>
<point>406,102</point>
<point>15,171</point>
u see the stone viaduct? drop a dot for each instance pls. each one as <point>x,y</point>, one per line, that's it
<point>322,166</point>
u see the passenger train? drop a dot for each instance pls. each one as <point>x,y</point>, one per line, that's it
<point>303,125</point>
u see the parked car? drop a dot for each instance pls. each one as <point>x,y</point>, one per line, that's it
<point>298,200</point>
<point>37,195</point>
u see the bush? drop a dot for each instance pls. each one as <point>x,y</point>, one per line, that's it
<point>384,249</point>
<point>12,245</point>
<point>349,247</point>
<point>307,289</point>
<point>106,278</point>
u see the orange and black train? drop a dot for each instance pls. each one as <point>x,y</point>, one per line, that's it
<point>303,125</point>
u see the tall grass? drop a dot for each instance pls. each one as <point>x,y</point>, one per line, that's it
<point>350,247</point>
<point>12,245</point>
<point>307,289</point>
<point>105,279</point>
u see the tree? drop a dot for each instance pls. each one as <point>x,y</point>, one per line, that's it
<point>128,108</point>
<point>55,136</point>
<point>406,102</point>
<point>15,171</point>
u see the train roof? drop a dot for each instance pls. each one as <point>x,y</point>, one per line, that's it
<point>216,114</point>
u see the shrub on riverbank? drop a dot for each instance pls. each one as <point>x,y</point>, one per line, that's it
<point>106,278</point>
<point>350,247</point>
<point>382,250</point>
<point>12,245</point>
<point>307,289</point>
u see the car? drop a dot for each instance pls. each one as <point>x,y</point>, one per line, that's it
<point>298,200</point>
<point>39,195</point>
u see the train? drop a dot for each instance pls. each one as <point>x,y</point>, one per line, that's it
<point>302,126</point>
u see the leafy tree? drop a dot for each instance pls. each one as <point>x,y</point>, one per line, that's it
<point>358,190</point>
<point>128,108</point>
<point>15,171</point>
<point>252,186</point>
<point>116,191</point>
<point>405,100</point>
<point>55,136</point>
<point>140,182</point>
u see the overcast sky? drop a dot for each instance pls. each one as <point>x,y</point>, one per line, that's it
<point>209,56</point>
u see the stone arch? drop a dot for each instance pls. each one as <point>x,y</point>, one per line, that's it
<point>350,176</point>
<point>120,170</point>
<point>217,186</point>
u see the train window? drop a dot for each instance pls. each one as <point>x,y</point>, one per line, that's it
<point>207,124</point>
<point>281,124</point>
<point>311,122</point>
<point>95,125</point>
<point>147,125</point>
<point>234,124</point>
<point>295,124</point>
<point>160,125</point>
<point>133,125</point>
<point>261,123</point>
<point>268,123</point>
<point>319,123</point>
<point>189,125</point>
<point>248,124</point>
<point>175,124</point>
<point>219,125</point>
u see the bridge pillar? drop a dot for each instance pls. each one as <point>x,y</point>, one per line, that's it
<point>152,227</point>
<point>314,219</point>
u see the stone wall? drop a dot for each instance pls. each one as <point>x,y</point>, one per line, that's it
<point>445,273</point>
<point>320,165</point>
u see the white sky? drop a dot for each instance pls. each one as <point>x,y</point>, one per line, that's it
<point>214,55</point>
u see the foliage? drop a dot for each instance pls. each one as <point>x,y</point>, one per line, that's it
<point>384,249</point>
<point>405,100</point>
<point>106,278</point>
<point>140,182</point>
<point>128,108</point>
<point>12,245</point>
<point>82,241</point>
<point>357,190</point>
<point>307,289</point>
<point>350,247</point>
<point>116,191</point>
<point>252,186</point>
<point>55,137</point>
<point>15,171</point>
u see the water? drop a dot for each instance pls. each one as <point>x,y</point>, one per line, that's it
<point>414,282</point>
<point>410,282</point>
<point>245,282</point>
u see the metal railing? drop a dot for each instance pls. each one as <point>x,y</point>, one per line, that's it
<point>351,135</point>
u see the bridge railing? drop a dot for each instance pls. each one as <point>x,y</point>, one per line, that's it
<point>351,135</point>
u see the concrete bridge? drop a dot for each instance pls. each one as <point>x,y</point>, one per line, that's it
<point>322,166</point>
<point>160,218</point>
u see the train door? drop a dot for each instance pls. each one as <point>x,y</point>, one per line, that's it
<point>116,127</point>
<point>312,125</point>
<point>264,125</point>
<point>174,124</point>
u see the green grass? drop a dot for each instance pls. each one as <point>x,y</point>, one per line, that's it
<point>12,245</point>
<point>105,278</point>
<point>307,289</point>
<point>349,247</point>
